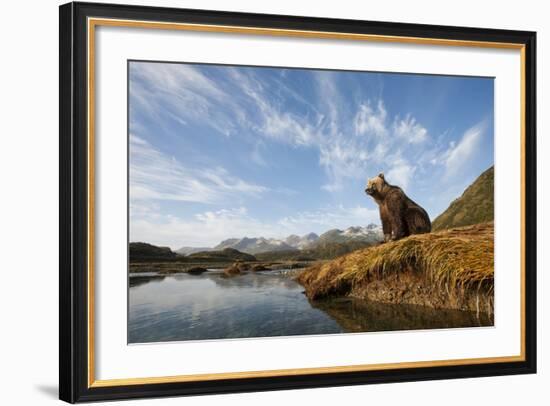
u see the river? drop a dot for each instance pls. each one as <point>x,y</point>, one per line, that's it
<point>262,304</point>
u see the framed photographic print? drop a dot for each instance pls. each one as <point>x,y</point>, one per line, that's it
<point>257,202</point>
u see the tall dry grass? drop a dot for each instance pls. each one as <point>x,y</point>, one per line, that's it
<point>460,259</point>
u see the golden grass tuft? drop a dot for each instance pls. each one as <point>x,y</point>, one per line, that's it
<point>456,260</point>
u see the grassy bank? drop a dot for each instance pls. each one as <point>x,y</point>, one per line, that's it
<point>448,269</point>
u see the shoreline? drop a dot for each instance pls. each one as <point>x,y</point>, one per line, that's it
<point>443,270</point>
<point>173,268</point>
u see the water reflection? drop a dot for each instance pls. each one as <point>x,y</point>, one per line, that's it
<point>144,279</point>
<point>262,304</point>
<point>212,306</point>
<point>257,280</point>
<point>355,315</point>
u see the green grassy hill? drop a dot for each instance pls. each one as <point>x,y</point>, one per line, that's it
<point>144,251</point>
<point>227,254</point>
<point>476,205</point>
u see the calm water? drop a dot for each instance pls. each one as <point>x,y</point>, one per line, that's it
<point>262,304</point>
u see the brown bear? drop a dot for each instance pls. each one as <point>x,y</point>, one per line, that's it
<point>400,215</point>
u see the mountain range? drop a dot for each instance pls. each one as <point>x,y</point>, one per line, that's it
<point>369,234</point>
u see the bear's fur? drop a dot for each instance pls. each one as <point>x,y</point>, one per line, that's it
<point>400,216</point>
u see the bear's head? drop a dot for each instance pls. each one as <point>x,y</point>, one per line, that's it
<point>375,185</point>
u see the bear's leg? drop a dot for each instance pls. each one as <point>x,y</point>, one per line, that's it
<point>386,228</point>
<point>398,228</point>
<point>412,222</point>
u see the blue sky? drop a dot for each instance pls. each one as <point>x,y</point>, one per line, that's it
<point>228,151</point>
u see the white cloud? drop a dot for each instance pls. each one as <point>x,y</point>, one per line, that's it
<point>268,119</point>
<point>286,127</point>
<point>209,228</point>
<point>330,217</point>
<point>246,104</point>
<point>171,78</point>
<point>330,100</point>
<point>155,175</point>
<point>458,155</point>
<point>371,121</point>
<point>400,174</point>
<point>342,158</point>
<point>322,130</point>
<point>379,145</point>
<point>257,156</point>
<point>183,93</point>
<point>410,130</point>
<point>205,229</point>
<point>142,208</point>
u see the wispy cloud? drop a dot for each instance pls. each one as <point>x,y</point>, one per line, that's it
<point>458,155</point>
<point>329,217</point>
<point>371,121</point>
<point>410,130</point>
<point>401,173</point>
<point>342,158</point>
<point>181,92</point>
<point>378,142</point>
<point>241,103</point>
<point>157,176</point>
<point>268,119</point>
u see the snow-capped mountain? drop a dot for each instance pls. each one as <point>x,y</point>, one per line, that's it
<point>370,233</point>
<point>301,242</point>
<point>254,245</point>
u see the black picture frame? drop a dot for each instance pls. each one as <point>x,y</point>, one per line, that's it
<point>74,385</point>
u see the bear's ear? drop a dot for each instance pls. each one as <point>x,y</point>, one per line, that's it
<point>381,175</point>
